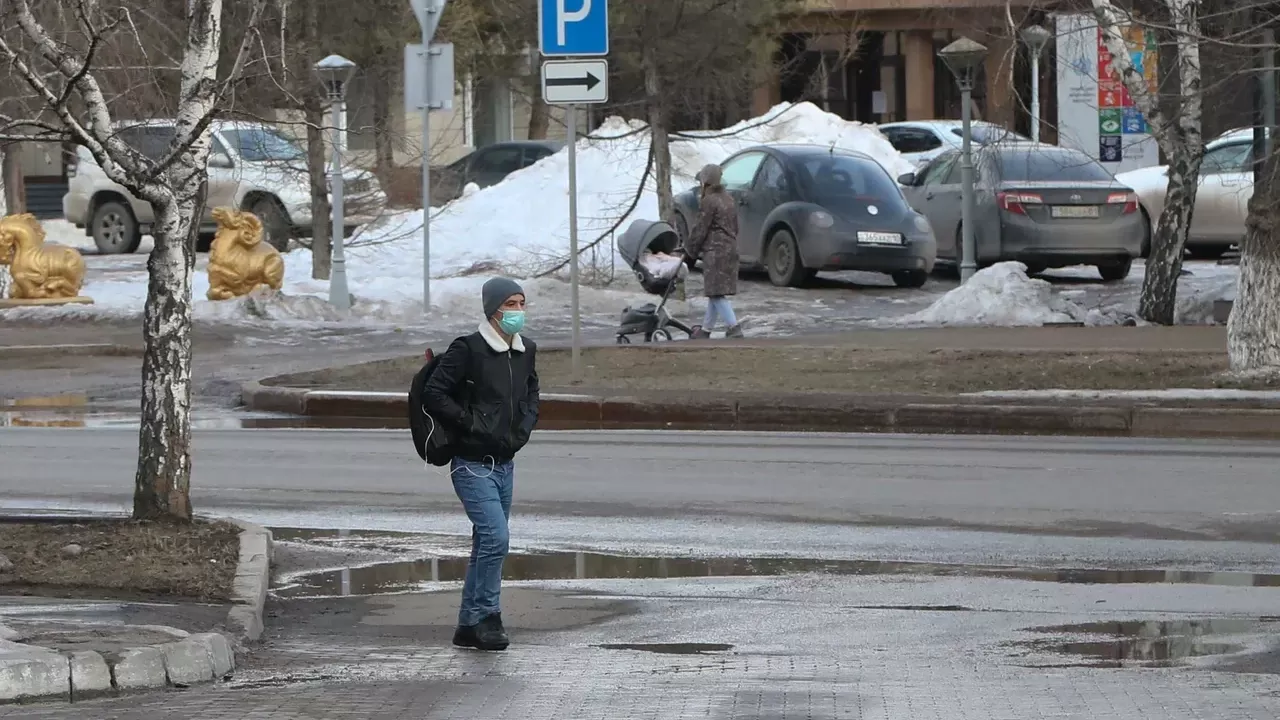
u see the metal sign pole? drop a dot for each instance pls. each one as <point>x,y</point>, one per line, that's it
<point>426,172</point>
<point>573,242</point>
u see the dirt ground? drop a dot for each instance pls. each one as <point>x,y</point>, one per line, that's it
<point>781,368</point>
<point>121,559</point>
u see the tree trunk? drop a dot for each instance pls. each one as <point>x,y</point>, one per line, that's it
<point>658,134</point>
<point>162,485</point>
<point>313,109</point>
<point>539,118</point>
<point>15,194</point>
<point>1253,330</point>
<point>1158,301</point>
<point>321,242</point>
<point>383,132</point>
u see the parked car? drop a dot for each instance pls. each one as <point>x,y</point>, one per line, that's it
<point>1042,205</point>
<point>804,208</point>
<point>252,166</point>
<point>920,141</point>
<point>487,166</point>
<point>1222,198</point>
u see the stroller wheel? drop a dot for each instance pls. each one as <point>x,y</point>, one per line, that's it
<point>624,340</point>
<point>662,335</point>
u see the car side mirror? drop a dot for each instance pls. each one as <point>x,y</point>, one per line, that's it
<point>907,179</point>
<point>221,160</point>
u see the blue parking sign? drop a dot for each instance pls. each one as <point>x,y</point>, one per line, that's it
<point>573,27</point>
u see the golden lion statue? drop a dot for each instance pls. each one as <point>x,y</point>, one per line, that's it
<point>39,271</point>
<point>238,259</point>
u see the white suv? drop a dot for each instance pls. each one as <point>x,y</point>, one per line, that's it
<point>252,167</point>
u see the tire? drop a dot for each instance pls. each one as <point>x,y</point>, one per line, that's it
<point>662,335</point>
<point>275,224</point>
<point>782,260</point>
<point>115,229</point>
<point>624,340</point>
<point>681,227</point>
<point>909,278</point>
<point>1115,272</point>
<point>1207,252</point>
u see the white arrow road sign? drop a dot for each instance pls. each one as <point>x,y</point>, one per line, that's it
<point>575,82</point>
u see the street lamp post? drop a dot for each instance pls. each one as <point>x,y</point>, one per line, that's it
<point>1036,38</point>
<point>335,74</point>
<point>962,58</point>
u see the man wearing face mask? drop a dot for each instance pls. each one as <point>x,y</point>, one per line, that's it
<point>485,389</point>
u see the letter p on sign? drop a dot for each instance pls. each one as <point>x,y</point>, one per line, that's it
<point>573,28</point>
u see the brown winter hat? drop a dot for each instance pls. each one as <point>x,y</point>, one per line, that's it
<point>709,174</point>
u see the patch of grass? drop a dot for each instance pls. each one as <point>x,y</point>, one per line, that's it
<point>122,559</point>
<point>790,369</point>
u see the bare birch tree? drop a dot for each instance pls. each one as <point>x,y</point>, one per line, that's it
<point>57,64</point>
<point>1179,137</point>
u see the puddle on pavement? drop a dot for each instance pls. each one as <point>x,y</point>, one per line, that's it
<point>670,648</point>
<point>406,576</point>
<point>1153,643</point>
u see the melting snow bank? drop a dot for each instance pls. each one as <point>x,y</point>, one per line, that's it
<point>1003,295</point>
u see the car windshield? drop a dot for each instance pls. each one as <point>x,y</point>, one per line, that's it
<point>988,134</point>
<point>834,177</point>
<point>262,145</point>
<point>1037,165</point>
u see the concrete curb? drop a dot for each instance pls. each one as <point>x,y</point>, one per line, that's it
<point>813,413</point>
<point>252,581</point>
<point>43,351</point>
<point>29,672</point>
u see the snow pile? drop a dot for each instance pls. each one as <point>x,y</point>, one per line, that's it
<point>1196,307</point>
<point>1164,394</point>
<point>520,226</point>
<point>1000,295</point>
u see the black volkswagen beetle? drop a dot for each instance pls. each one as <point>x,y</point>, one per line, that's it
<point>805,208</point>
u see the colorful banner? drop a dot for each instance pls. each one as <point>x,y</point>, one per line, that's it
<point>1095,110</point>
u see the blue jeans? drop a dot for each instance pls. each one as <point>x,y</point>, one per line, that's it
<point>485,492</point>
<point>719,305</point>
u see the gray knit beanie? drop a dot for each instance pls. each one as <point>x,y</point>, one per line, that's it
<point>497,291</point>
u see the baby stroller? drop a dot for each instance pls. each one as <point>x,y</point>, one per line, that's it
<point>652,250</point>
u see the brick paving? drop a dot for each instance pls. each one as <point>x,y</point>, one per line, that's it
<point>309,678</point>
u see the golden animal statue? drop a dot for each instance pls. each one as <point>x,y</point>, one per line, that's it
<point>238,260</point>
<point>42,274</point>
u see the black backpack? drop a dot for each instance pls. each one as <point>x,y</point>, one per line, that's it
<point>432,440</point>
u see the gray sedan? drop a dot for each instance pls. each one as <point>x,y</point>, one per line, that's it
<point>1042,205</point>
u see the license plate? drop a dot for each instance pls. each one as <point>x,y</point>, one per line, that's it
<point>1074,211</point>
<point>879,238</point>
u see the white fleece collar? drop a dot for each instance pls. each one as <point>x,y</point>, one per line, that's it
<point>496,342</point>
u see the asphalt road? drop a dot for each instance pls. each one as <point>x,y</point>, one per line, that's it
<point>1064,486</point>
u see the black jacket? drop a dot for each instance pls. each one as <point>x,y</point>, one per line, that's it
<point>486,395</point>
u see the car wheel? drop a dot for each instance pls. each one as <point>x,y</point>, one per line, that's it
<point>783,262</point>
<point>275,225</point>
<point>115,229</point>
<point>909,278</point>
<point>1115,271</point>
<point>1207,252</point>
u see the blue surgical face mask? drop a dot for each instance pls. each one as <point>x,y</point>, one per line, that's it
<point>512,321</point>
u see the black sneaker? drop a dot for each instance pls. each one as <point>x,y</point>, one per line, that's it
<point>465,636</point>
<point>490,635</point>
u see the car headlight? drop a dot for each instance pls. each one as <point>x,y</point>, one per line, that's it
<point>922,224</point>
<point>821,219</point>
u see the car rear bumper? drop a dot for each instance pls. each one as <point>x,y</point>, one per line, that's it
<point>832,253</point>
<point>1070,243</point>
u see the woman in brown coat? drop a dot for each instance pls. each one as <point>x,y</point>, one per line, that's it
<point>714,240</point>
